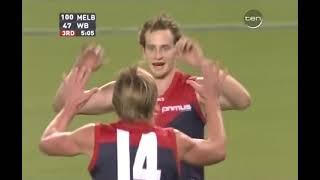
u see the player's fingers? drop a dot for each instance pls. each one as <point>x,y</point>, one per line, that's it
<point>201,98</point>
<point>197,48</point>
<point>81,74</point>
<point>73,73</point>
<point>189,45</point>
<point>77,63</point>
<point>91,46</point>
<point>180,44</point>
<point>102,56</point>
<point>97,49</point>
<point>89,94</point>
<point>192,78</point>
<point>196,86</point>
<point>88,48</point>
<point>86,76</point>
<point>199,80</point>
<point>185,46</point>
<point>100,53</point>
<point>66,78</point>
<point>178,48</point>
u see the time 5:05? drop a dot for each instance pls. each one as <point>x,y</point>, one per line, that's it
<point>87,33</point>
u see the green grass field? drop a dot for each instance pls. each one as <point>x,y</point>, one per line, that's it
<point>262,140</point>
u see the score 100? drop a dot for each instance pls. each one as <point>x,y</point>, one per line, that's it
<point>78,17</point>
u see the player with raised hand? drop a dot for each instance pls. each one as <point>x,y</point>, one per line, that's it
<point>180,106</point>
<point>212,149</point>
<point>91,58</point>
<point>133,147</point>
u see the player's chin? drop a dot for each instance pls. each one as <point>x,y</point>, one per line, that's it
<point>159,74</point>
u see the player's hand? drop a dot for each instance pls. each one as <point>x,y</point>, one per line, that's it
<point>189,52</point>
<point>210,86</point>
<point>91,57</point>
<point>197,84</point>
<point>76,97</point>
<point>213,78</point>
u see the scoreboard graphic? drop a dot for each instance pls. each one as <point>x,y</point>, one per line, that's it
<point>77,24</point>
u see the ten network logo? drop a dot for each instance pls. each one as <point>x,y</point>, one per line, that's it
<point>253,18</point>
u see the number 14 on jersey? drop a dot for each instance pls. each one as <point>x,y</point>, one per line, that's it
<point>147,150</point>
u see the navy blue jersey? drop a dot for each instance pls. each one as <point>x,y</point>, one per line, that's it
<point>180,109</point>
<point>128,151</point>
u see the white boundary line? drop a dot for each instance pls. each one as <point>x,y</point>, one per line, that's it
<point>195,27</point>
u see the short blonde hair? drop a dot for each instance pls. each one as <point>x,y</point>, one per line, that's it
<point>135,94</point>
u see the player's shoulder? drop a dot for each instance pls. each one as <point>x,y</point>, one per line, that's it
<point>166,137</point>
<point>181,75</point>
<point>104,125</point>
<point>103,128</point>
<point>105,132</point>
<point>183,86</point>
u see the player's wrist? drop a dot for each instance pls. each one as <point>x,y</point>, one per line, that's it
<point>212,98</point>
<point>69,109</point>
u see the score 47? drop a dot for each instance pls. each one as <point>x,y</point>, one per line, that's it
<point>80,25</point>
<point>66,25</point>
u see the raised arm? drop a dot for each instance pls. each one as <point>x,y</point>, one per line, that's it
<point>234,95</point>
<point>56,140</point>
<point>212,149</point>
<point>101,102</point>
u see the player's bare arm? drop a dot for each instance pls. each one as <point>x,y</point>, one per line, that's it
<point>212,149</point>
<point>91,58</point>
<point>200,152</point>
<point>234,95</point>
<point>56,140</point>
<point>231,90</point>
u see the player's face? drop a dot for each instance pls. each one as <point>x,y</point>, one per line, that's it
<point>160,52</point>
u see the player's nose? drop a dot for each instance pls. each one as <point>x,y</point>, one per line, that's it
<point>158,55</point>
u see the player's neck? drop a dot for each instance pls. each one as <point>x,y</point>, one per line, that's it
<point>164,83</point>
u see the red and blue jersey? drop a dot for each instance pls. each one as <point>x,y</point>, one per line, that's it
<point>180,109</point>
<point>127,151</point>
<point>119,146</point>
